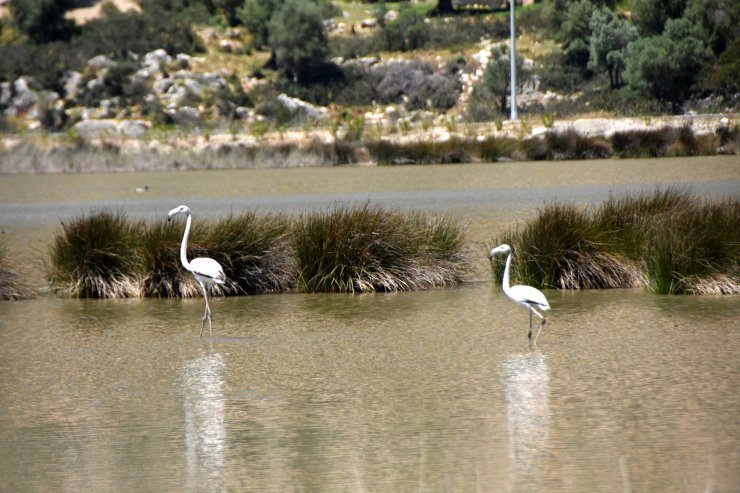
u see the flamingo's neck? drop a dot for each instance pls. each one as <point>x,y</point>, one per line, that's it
<point>184,245</point>
<point>505,281</point>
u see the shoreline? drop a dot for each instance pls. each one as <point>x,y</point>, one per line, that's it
<point>112,148</point>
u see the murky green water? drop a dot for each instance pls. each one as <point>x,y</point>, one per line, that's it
<point>432,391</point>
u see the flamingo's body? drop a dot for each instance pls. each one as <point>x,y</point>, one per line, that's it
<point>206,270</point>
<point>526,296</point>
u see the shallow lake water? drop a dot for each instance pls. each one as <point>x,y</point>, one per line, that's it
<point>429,391</point>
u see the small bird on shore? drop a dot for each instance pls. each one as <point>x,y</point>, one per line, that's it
<point>206,270</point>
<point>523,295</point>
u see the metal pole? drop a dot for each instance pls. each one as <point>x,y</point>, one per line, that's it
<point>512,57</point>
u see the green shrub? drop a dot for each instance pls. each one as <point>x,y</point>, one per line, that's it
<point>423,152</point>
<point>642,143</point>
<point>696,249</point>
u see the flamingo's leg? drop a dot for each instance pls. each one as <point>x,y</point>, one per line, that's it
<point>207,315</point>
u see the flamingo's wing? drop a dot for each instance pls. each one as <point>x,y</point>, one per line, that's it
<point>529,295</point>
<point>208,268</point>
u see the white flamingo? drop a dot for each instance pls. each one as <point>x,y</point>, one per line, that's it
<point>523,295</point>
<point>206,270</point>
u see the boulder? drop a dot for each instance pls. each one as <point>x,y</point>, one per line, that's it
<point>99,62</point>
<point>71,81</point>
<point>133,128</point>
<point>95,128</point>
<point>295,105</point>
<point>156,60</point>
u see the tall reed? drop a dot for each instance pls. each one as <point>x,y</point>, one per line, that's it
<point>365,248</point>
<point>253,251</point>
<point>668,240</point>
<point>561,248</point>
<point>13,285</point>
<point>351,249</point>
<point>96,256</point>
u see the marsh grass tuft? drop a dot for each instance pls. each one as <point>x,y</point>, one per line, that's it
<point>668,240</point>
<point>354,249</point>
<point>252,249</point>
<point>366,248</point>
<point>13,286</point>
<point>96,256</point>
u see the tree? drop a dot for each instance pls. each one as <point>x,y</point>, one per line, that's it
<point>719,21</point>
<point>444,7</point>
<point>650,15</point>
<point>42,21</point>
<point>576,32</point>
<point>666,66</point>
<point>610,37</point>
<point>724,76</point>
<point>297,37</point>
<point>497,77</point>
<point>255,16</point>
<point>408,32</point>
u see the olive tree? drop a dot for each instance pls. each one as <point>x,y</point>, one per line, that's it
<point>497,77</point>
<point>666,66</point>
<point>42,20</point>
<point>297,37</point>
<point>610,37</point>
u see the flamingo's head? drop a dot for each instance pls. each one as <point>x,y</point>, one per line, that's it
<point>499,249</point>
<point>183,209</point>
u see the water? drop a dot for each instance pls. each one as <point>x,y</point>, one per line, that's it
<point>431,391</point>
<point>434,391</point>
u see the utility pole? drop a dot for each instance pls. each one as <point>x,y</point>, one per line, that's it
<point>512,57</point>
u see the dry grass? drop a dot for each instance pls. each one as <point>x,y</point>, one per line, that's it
<point>13,284</point>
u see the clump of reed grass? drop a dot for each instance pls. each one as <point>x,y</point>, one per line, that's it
<point>668,240</point>
<point>13,285</point>
<point>560,248</point>
<point>368,248</point>
<point>696,249</point>
<point>96,256</point>
<point>162,270</point>
<point>253,251</point>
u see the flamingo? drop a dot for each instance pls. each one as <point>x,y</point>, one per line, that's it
<point>206,270</point>
<point>523,295</point>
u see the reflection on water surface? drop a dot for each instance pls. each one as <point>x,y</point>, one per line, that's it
<point>433,391</point>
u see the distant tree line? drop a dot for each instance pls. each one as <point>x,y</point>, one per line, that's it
<point>666,50</point>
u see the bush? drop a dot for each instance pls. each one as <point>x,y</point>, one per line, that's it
<point>103,255</point>
<point>665,67</point>
<point>724,76</point>
<point>296,36</point>
<point>13,284</point>
<point>96,256</point>
<point>557,249</point>
<point>42,21</point>
<point>252,250</point>
<point>408,32</point>
<point>368,248</point>
<point>668,240</point>
<point>415,84</point>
